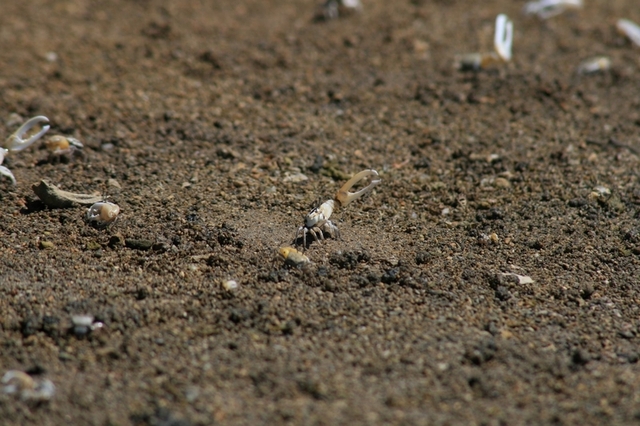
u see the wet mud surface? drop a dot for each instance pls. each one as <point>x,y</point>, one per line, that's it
<point>491,278</point>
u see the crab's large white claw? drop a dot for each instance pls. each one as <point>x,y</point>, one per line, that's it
<point>344,197</point>
<point>629,29</point>
<point>6,172</point>
<point>15,142</point>
<point>503,38</point>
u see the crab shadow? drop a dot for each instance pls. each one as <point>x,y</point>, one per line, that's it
<point>33,205</point>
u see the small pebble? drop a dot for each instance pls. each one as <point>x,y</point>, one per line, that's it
<point>502,183</point>
<point>92,245</point>
<point>51,56</point>
<point>138,244</point>
<point>46,245</point>
<point>116,240</point>
<point>296,178</point>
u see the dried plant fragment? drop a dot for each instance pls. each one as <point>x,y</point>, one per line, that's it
<point>55,197</point>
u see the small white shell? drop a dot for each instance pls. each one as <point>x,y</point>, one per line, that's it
<point>230,285</point>
<point>594,65</point>
<point>103,213</point>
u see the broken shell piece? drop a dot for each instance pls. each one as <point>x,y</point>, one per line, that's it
<point>594,65</point>
<point>103,213</point>
<point>546,9</point>
<point>522,279</point>
<point>602,190</point>
<point>18,382</point>
<point>599,192</point>
<point>55,197</point>
<point>629,29</point>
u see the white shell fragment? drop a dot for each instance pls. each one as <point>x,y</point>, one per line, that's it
<point>20,383</point>
<point>102,213</point>
<point>522,279</point>
<point>503,38</point>
<point>230,285</point>
<point>546,9</point>
<point>599,192</point>
<point>594,65</point>
<point>629,29</point>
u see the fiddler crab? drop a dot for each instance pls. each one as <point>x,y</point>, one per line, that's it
<point>61,147</point>
<point>502,43</point>
<point>331,9</point>
<point>546,9</point>
<point>317,221</point>
<point>17,141</point>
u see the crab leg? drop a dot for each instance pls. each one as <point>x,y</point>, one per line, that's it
<point>15,142</point>
<point>344,197</point>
